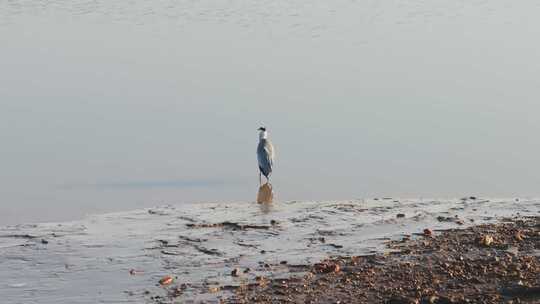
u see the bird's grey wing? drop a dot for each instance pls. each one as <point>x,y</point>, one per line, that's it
<point>264,157</point>
<point>270,151</point>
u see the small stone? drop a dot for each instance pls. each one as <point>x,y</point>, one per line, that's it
<point>486,240</point>
<point>428,232</point>
<point>166,280</point>
<point>261,280</point>
<point>328,267</point>
<point>134,272</point>
<point>214,289</point>
<point>400,215</point>
<point>236,272</point>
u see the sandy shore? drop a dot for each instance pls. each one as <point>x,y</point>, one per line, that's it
<point>491,263</point>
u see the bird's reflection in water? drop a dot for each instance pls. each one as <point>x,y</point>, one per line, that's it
<point>265,197</point>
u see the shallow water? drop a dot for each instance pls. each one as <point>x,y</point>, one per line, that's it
<point>89,261</point>
<point>118,105</point>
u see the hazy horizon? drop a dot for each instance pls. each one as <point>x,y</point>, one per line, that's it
<point>115,106</point>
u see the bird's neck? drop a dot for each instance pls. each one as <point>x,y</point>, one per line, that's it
<point>263,135</point>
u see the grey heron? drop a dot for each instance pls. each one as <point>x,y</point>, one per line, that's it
<point>265,155</point>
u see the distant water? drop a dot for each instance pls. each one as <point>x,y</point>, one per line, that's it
<point>117,105</point>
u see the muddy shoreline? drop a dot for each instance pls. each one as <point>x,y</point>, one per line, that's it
<point>489,263</point>
<point>244,251</point>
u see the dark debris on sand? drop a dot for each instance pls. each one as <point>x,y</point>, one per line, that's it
<point>495,263</point>
<point>229,225</point>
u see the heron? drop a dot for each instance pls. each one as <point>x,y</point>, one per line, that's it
<point>265,155</point>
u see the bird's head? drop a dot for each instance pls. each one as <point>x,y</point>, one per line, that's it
<point>262,132</point>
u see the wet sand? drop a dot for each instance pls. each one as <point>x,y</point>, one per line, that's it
<point>494,263</point>
<point>212,250</point>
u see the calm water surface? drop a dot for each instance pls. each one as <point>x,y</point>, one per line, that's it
<point>115,105</point>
